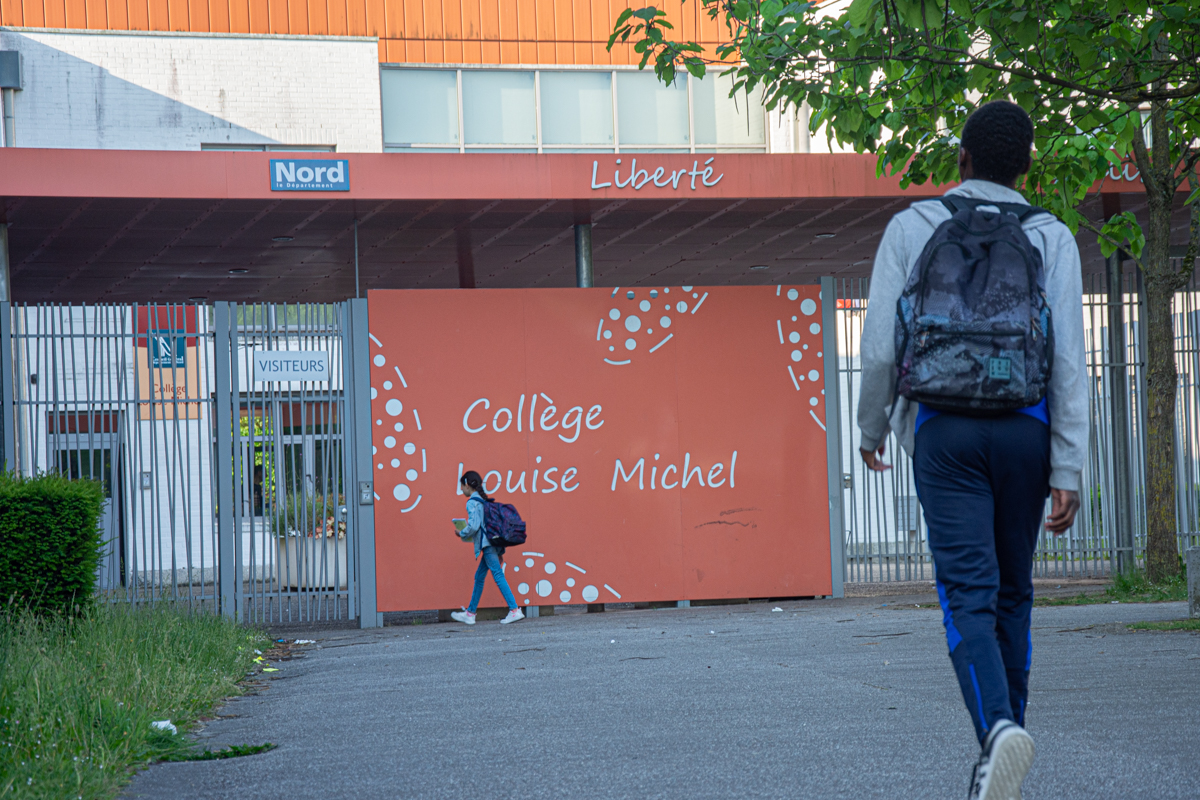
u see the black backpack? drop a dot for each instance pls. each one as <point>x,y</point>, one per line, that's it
<point>502,525</point>
<point>973,328</point>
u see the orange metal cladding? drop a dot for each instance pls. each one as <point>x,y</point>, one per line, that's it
<point>409,31</point>
<point>30,172</point>
<point>710,398</point>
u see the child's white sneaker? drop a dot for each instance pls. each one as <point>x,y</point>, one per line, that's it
<point>464,616</point>
<point>513,616</point>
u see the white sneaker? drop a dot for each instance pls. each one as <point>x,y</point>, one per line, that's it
<point>463,616</point>
<point>1005,761</point>
<point>513,616</point>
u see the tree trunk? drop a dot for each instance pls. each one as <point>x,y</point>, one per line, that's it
<point>1162,548</point>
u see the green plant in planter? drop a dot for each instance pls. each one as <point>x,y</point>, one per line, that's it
<point>309,515</point>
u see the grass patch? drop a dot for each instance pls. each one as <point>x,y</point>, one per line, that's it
<point>1170,625</point>
<point>77,695</point>
<point>1131,588</point>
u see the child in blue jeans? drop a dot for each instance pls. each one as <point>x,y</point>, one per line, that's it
<point>472,486</point>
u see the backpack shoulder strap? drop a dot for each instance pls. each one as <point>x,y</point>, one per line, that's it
<point>1021,211</point>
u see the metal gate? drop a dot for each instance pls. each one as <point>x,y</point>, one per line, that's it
<point>885,537</point>
<point>227,488</point>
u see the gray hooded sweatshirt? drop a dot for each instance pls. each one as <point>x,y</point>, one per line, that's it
<point>899,249</point>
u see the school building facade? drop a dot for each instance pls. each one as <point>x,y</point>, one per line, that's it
<point>189,188</point>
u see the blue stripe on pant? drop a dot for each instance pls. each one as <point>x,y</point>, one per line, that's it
<point>983,484</point>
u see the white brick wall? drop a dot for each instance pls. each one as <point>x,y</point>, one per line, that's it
<point>171,91</point>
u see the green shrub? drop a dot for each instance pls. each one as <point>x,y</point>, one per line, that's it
<point>49,540</point>
<point>316,515</point>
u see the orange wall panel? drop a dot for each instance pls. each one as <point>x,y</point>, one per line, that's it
<point>721,489</point>
<point>434,31</point>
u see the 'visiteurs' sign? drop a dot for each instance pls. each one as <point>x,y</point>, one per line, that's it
<point>310,175</point>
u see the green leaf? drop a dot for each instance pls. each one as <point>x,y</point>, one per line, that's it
<point>858,12</point>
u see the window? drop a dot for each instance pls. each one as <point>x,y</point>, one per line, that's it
<point>513,110</point>
<point>651,113</point>
<point>499,107</point>
<point>420,106</point>
<point>577,108</point>
<point>723,120</point>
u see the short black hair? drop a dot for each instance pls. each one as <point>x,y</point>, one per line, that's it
<point>998,135</point>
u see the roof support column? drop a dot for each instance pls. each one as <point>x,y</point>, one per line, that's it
<point>584,277</point>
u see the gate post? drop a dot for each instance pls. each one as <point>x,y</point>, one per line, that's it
<point>8,425</point>
<point>356,364</point>
<point>223,466</point>
<point>833,437</point>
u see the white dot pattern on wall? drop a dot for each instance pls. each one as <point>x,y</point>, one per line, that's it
<point>380,360</point>
<point>389,442</point>
<point>374,393</point>
<point>681,306</point>
<point>590,594</point>
<point>664,322</point>
<point>393,407</point>
<point>529,562</point>
<point>564,596</point>
<point>630,344</point>
<point>395,463</point>
<point>409,448</point>
<point>614,315</point>
<point>401,492</point>
<point>411,474</point>
<point>522,588</point>
<point>806,382</point>
<point>570,581</point>
<point>551,568</point>
<point>399,426</point>
<point>644,305</point>
<point>632,323</point>
<point>387,384</point>
<point>543,588</point>
<point>608,334</point>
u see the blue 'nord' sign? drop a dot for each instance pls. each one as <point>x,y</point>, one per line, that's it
<point>310,175</point>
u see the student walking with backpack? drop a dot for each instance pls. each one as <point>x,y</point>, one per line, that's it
<point>488,549</point>
<point>972,352</point>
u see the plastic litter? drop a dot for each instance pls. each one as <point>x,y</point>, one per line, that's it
<point>270,669</point>
<point>305,641</point>
<point>776,608</point>
<point>612,641</point>
<point>258,652</point>
<point>164,725</point>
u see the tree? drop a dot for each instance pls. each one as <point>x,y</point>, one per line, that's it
<point>1105,83</point>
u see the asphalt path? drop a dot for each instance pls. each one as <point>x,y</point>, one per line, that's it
<point>823,699</point>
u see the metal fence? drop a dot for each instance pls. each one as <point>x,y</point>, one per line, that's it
<point>885,534</point>
<point>225,488</point>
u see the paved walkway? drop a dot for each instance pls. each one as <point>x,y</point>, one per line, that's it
<point>824,699</point>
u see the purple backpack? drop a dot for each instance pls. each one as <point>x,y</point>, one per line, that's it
<point>502,524</point>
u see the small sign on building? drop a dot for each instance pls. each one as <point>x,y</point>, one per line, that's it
<point>168,349</point>
<point>310,175</point>
<point>291,365</point>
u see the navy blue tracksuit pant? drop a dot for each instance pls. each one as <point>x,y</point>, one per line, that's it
<point>983,484</point>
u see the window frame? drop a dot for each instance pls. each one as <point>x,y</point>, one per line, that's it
<point>541,147</point>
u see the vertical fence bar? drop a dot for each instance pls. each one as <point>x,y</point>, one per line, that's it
<point>833,437</point>
<point>1121,532</point>
<point>223,459</point>
<point>357,366</point>
<point>8,420</point>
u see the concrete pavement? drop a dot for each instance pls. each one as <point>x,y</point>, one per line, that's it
<point>824,699</point>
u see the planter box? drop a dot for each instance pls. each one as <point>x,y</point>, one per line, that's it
<point>306,562</point>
